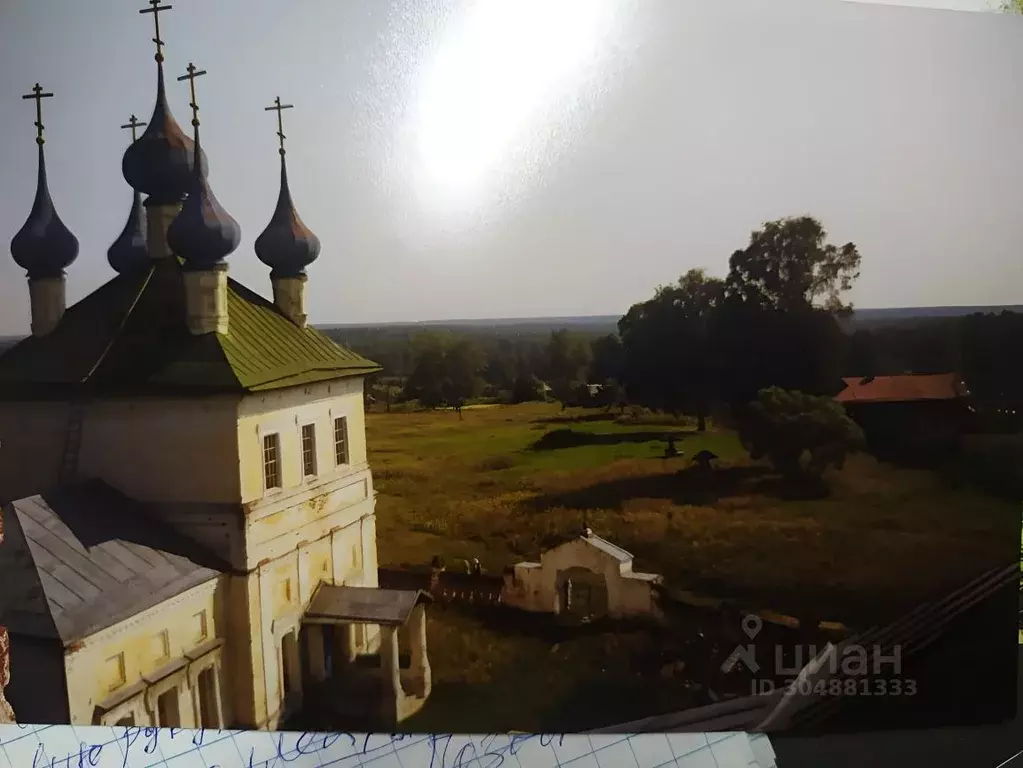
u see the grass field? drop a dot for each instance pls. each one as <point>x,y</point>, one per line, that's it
<point>881,542</point>
<point>504,482</point>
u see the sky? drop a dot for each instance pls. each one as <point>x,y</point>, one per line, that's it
<point>539,158</point>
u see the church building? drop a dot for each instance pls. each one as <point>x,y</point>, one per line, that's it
<point>188,511</point>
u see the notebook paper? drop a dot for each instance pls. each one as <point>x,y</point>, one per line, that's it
<point>65,746</point>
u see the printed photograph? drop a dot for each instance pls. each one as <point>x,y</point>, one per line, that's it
<point>483,366</point>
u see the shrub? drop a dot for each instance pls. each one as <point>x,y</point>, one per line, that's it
<point>801,435</point>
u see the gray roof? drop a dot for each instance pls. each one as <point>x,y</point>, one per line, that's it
<point>740,714</point>
<point>82,559</point>
<point>370,605</point>
<point>606,546</point>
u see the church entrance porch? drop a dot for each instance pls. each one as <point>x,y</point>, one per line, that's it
<point>377,689</point>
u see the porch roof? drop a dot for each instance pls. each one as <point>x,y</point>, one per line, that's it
<point>363,605</point>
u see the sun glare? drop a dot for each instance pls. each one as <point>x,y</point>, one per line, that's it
<point>499,85</point>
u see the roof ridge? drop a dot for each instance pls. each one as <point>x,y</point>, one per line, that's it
<point>120,328</point>
<point>12,522</point>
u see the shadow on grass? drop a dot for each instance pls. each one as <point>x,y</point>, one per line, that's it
<point>586,417</point>
<point>567,438</point>
<point>693,485</point>
<point>547,627</point>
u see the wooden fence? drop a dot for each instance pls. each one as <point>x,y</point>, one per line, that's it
<point>445,586</point>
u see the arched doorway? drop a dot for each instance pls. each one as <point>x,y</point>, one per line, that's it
<point>582,593</point>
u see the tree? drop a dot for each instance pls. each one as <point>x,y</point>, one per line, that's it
<point>611,394</point>
<point>1012,6</point>
<point>608,359</point>
<point>788,266</point>
<point>667,343</point>
<point>778,325</point>
<point>861,355</point>
<point>426,381</point>
<point>502,365</point>
<point>567,358</point>
<point>801,435</point>
<point>527,388</point>
<point>462,364</point>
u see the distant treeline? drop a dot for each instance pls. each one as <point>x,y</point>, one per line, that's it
<point>776,319</point>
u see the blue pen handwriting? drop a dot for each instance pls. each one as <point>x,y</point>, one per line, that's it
<point>332,750</point>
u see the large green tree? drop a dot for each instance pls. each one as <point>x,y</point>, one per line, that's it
<point>789,265</point>
<point>667,343</point>
<point>779,322</point>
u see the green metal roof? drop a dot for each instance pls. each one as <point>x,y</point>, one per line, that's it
<point>130,337</point>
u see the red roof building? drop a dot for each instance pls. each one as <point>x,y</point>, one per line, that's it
<point>907,388</point>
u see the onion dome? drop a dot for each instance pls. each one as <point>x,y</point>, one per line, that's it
<point>44,246</point>
<point>203,234</point>
<point>160,162</point>
<point>287,245</point>
<point>129,251</point>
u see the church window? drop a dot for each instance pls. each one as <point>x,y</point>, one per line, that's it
<point>201,630</point>
<point>356,558</point>
<point>341,440</point>
<point>115,672</point>
<point>161,646</point>
<point>308,450</point>
<point>272,461</point>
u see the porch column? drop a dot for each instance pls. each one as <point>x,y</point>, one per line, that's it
<point>419,660</point>
<point>188,714</point>
<point>393,695</point>
<point>196,697</point>
<point>317,661</point>
<point>218,702</point>
<point>389,661</point>
<point>348,643</point>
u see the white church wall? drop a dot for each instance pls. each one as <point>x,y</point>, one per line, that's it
<point>31,446</point>
<point>165,450</point>
<point>578,554</point>
<point>338,547</point>
<point>635,597</point>
<point>311,529</point>
<point>284,412</point>
<point>282,524</point>
<point>118,657</point>
<point>534,586</point>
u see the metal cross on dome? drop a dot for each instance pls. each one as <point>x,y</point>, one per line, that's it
<point>190,77</point>
<point>133,123</point>
<point>279,108</point>
<point>155,9</point>
<point>38,95</point>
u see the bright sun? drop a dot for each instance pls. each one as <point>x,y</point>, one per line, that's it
<point>497,87</point>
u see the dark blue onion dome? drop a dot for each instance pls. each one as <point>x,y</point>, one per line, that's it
<point>160,162</point>
<point>44,247</point>
<point>203,234</point>
<point>287,245</point>
<point>129,251</point>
